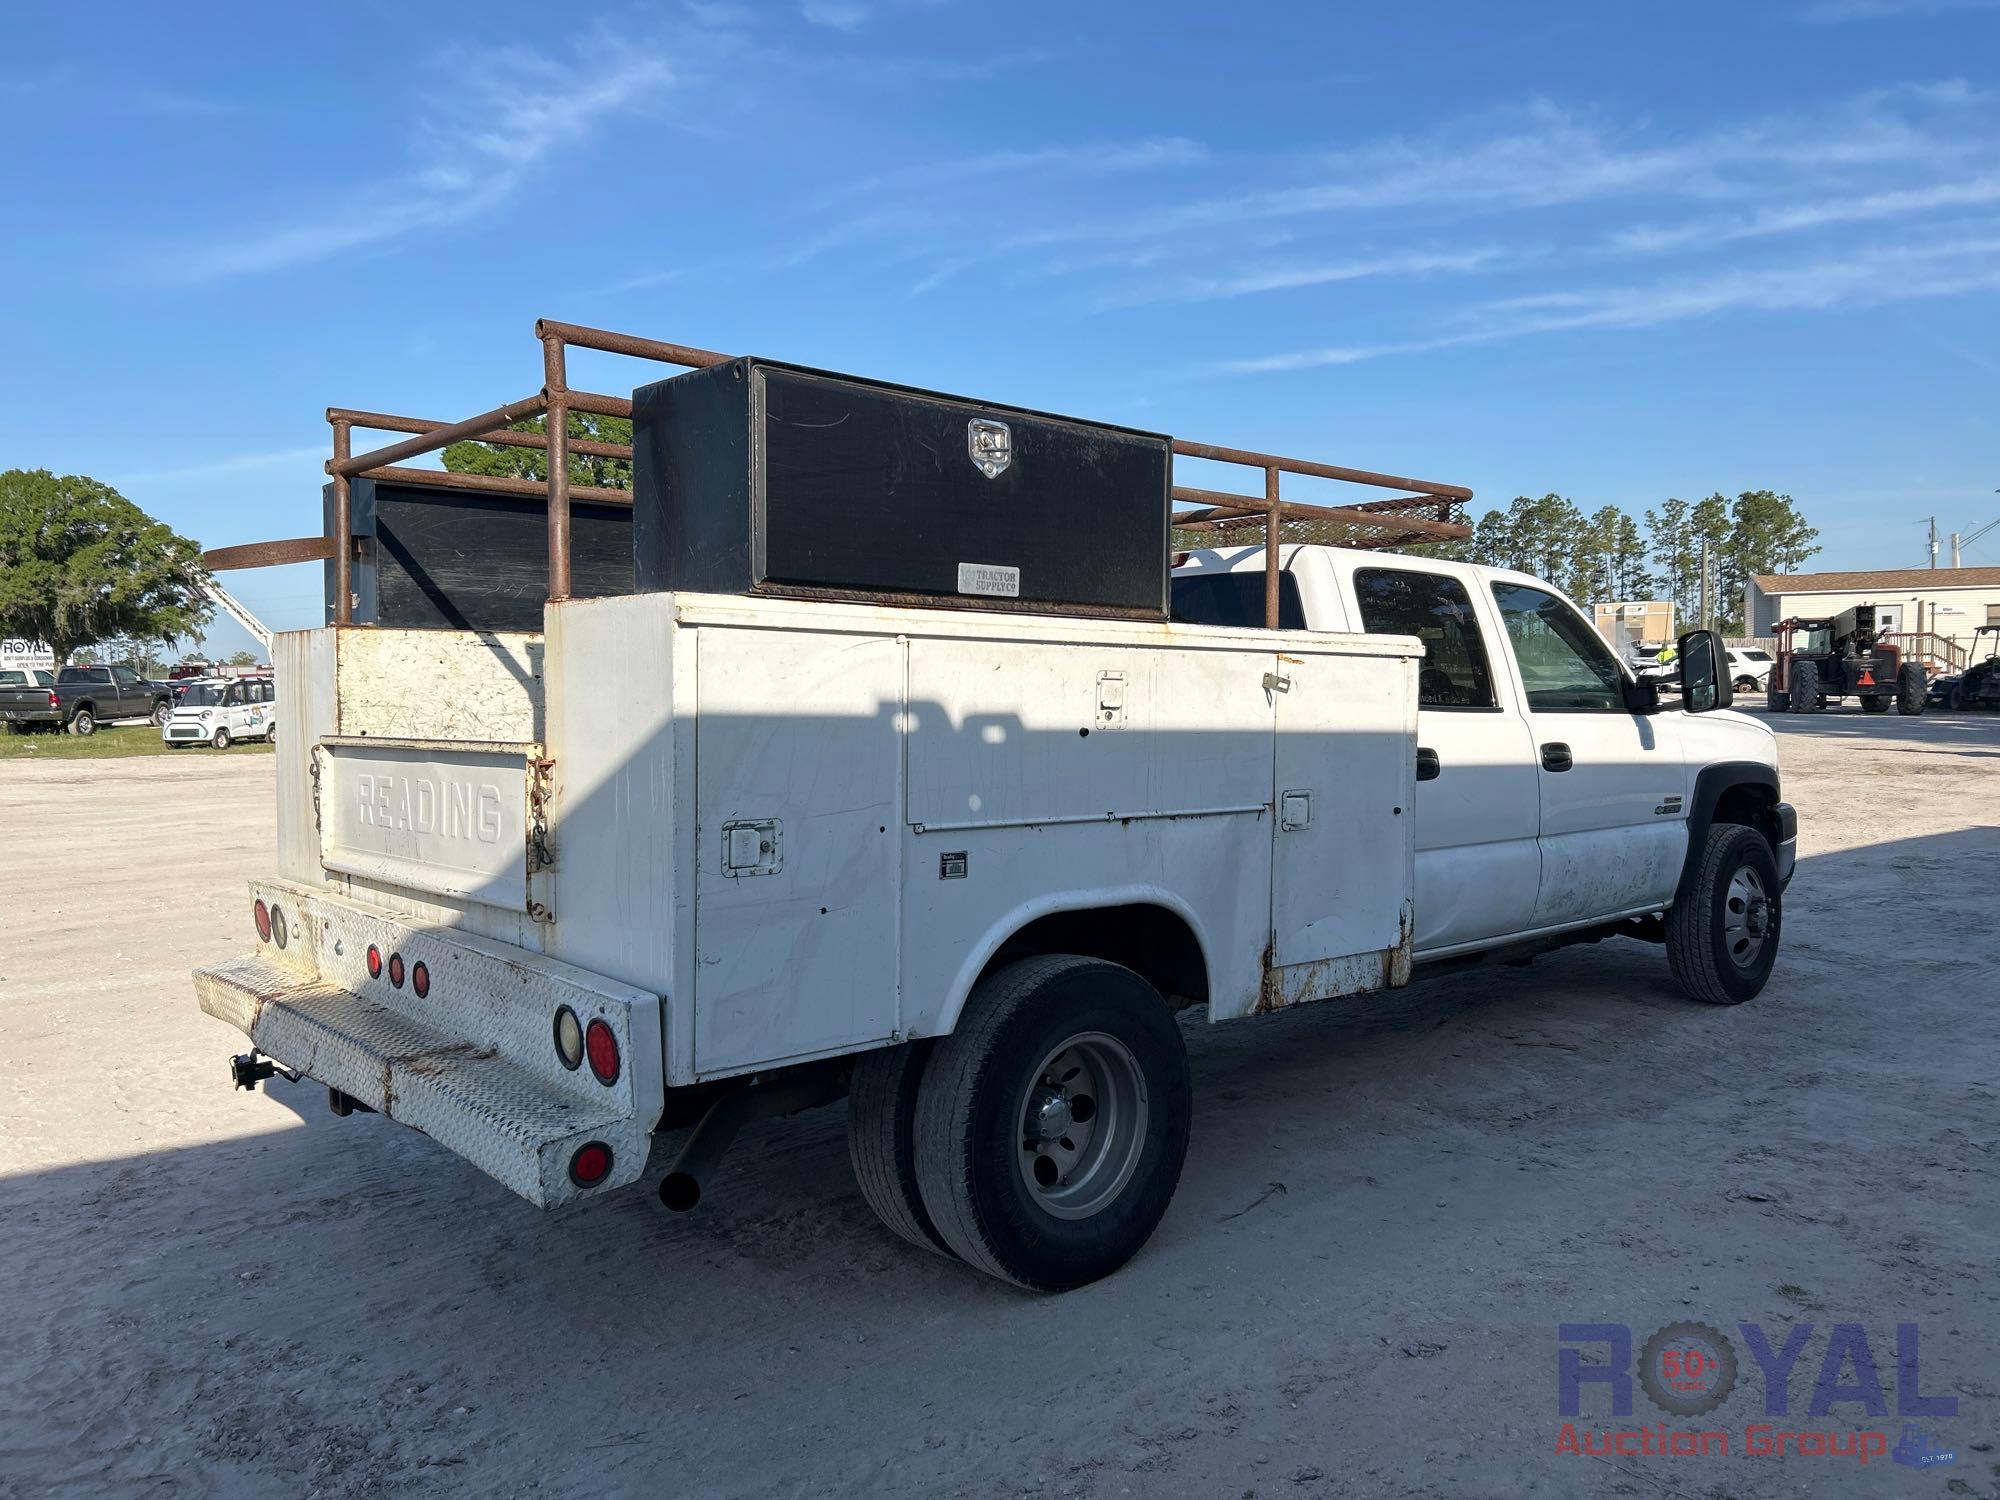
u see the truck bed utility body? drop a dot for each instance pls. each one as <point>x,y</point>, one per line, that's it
<point>691,854</point>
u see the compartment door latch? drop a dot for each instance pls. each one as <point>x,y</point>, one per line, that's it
<point>752,847</point>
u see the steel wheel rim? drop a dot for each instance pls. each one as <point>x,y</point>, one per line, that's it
<point>1081,1125</point>
<point>1747,914</point>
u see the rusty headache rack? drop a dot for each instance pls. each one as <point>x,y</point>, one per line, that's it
<point>1425,514</point>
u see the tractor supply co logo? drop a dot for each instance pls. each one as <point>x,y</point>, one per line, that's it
<point>1689,1370</point>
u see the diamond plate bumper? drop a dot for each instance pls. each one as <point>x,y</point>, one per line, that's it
<point>473,1063</point>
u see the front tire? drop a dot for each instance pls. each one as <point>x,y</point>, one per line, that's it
<point>881,1141</point>
<point>1722,936</point>
<point>1777,702</point>
<point>162,711</point>
<point>1875,704</point>
<point>1052,1124</point>
<point>1911,688</point>
<point>1804,688</point>
<point>220,739</point>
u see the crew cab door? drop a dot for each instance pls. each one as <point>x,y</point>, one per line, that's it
<point>1477,814</point>
<point>1612,783</point>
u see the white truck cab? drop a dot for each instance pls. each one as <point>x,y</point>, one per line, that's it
<point>1544,801</point>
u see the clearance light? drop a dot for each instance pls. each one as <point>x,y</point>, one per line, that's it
<point>374,962</point>
<point>396,970</point>
<point>569,1039</point>
<point>261,915</point>
<point>603,1049</point>
<point>590,1165</point>
<point>420,978</point>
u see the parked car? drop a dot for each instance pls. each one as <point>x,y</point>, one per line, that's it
<point>27,699</point>
<point>1749,668</point>
<point>218,711</point>
<point>88,696</point>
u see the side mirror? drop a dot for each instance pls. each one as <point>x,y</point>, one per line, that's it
<point>1705,680</point>
<point>1642,696</point>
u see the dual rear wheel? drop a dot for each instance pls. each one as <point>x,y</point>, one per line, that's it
<point>1042,1140</point>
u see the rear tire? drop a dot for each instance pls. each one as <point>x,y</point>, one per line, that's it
<point>1805,688</point>
<point>1722,936</point>
<point>881,1141</point>
<point>1052,1124</point>
<point>83,722</point>
<point>1875,705</point>
<point>1911,688</point>
<point>1746,684</point>
<point>1777,702</point>
<point>220,739</point>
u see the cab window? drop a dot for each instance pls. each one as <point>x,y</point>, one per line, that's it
<point>1234,599</point>
<point>1437,611</point>
<point>1565,665</point>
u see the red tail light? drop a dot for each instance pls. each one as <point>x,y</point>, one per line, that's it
<point>261,915</point>
<point>54,701</point>
<point>396,970</point>
<point>374,962</point>
<point>602,1049</point>
<point>420,978</point>
<point>591,1164</point>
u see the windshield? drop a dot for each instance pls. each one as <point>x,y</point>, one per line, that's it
<point>203,695</point>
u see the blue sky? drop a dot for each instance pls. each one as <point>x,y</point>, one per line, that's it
<point>1618,251</point>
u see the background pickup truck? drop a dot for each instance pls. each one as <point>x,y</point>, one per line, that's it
<point>84,697</point>
<point>28,700</point>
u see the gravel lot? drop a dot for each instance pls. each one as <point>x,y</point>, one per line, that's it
<point>1389,1207</point>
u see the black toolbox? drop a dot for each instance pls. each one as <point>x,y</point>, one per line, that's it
<point>759,477</point>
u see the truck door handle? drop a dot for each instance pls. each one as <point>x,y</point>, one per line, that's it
<point>1556,756</point>
<point>1428,768</point>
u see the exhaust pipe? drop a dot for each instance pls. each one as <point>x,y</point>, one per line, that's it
<point>680,1189</point>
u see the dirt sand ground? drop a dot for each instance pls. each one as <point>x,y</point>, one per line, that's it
<point>1389,1207</point>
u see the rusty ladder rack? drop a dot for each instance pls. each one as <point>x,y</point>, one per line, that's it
<point>1425,515</point>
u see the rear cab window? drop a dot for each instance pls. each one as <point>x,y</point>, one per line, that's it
<point>1435,608</point>
<point>1217,598</point>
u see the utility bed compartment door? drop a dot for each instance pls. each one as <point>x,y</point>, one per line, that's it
<point>799,805</point>
<point>449,817</point>
<point>1344,859</point>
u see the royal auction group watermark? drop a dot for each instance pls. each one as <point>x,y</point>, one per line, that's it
<point>1690,1369</point>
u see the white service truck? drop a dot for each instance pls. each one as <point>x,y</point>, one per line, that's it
<point>684,859</point>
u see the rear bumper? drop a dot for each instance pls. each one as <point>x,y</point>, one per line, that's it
<point>30,716</point>
<point>473,1064</point>
<point>1788,842</point>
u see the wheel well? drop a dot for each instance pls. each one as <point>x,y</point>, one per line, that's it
<point>71,708</point>
<point>1153,941</point>
<point>1752,804</point>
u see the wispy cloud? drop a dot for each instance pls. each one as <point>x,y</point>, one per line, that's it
<point>1833,12</point>
<point>476,153</point>
<point>1904,203</point>
<point>235,463</point>
<point>836,15</point>
<point>1872,277</point>
<point>1293,277</point>
<point>1082,159</point>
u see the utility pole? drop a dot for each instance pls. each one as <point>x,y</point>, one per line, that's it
<point>1934,541</point>
<point>1954,550</point>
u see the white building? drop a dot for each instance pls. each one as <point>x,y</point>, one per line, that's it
<point>1947,602</point>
